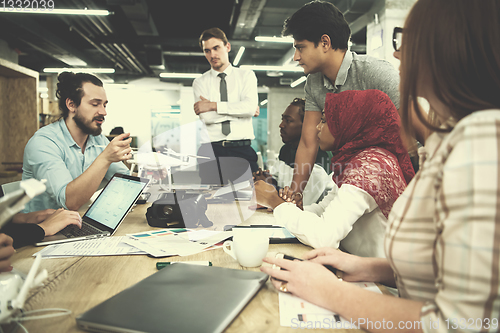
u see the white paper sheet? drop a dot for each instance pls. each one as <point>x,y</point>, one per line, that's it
<point>163,244</point>
<point>106,246</point>
<point>298,313</point>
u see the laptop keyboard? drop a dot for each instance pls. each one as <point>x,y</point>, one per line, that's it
<point>72,230</point>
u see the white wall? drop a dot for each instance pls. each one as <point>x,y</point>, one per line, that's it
<point>379,36</point>
<point>130,106</point>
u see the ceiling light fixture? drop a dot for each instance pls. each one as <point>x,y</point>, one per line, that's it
<point>298,81</point>
<point>54,11</point>
<point>179,75</point>
<point>274,39</point>
<point>238,56</point>
<point>294,69</point>
<point>183,54</point>
<point>80,70</point>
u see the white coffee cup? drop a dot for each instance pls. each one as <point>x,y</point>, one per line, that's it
<point>248,247</point>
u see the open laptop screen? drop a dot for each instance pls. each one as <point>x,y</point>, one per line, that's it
<point>115,200</point>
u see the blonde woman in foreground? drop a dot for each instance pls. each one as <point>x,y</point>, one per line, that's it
<point>442,241</point>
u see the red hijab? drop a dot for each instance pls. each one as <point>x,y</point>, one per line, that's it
<point>367,122</point>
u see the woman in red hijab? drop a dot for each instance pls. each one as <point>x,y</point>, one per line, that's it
<point>371,168</point>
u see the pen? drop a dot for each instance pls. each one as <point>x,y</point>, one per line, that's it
<point>338,273</point>
<point>103,146</point>
<point>160,265</point>
<point>258,226</point>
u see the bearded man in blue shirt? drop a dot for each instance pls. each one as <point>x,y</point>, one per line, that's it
<point>72,154</point>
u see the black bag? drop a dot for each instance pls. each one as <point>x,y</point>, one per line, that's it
<point>179,210</point>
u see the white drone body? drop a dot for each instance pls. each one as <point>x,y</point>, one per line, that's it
<point>13,291</point>
<point>159,161</point>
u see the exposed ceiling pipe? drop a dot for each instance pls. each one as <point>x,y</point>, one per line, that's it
<point>144,70</point>
<point>80,4</point>
<point>97,25</point>
<point>46,36</point>
<point>250,12</point>
<point>130,61</point>
<point>104,23</point>
<point>117,55</point>
<point>105,29</point>
<point>84,20</point>
<point>102,20</point>
<point>87,35</point>
<point>39,48</point>
<point>117,64</point>
<point>123,53</point>
<point>140,17</point>
<point>80,24</point>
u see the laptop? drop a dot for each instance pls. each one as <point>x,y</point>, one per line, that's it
<point>106,213</point>
<point>178,298</point>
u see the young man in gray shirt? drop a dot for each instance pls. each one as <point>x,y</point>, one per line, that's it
<point>320,35</point>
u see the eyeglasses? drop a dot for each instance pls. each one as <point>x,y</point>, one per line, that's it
<point>397,38</point>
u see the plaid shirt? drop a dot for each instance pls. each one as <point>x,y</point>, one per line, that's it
<point>443,234</point>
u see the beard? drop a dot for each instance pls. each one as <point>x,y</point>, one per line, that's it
<point>85,125</point>
<point>219,65</point>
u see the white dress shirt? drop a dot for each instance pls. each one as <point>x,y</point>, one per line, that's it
<point>348,216</point>
<point>239,109</point>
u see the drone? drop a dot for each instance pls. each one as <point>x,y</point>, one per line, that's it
<point>160,162</point>
<point>13,291</point>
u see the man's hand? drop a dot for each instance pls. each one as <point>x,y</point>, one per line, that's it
<point>59,220</point>
<point>204,106</point>
<point>257,112</point>
<point>288,195</point>
<point>266,195</point>
<point>118,149</point>
<point>263,175</point>
<point>6,251</point>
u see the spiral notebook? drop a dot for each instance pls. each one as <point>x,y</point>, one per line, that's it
<point>178,298</point>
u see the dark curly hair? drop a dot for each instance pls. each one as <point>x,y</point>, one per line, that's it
<point>70,86</point>
<point>315,19</point>
<point>301,103</point>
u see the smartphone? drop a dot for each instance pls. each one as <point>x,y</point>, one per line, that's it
<point>287,257</point>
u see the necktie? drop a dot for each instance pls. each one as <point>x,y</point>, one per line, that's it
<point>226,128</point>
<point>223,87</point>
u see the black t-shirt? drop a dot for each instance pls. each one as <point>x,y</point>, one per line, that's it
<point>23,233</point>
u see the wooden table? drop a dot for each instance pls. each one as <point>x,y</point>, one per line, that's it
<point>80,283</point>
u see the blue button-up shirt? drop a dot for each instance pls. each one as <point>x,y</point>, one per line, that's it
<point>52,154</point>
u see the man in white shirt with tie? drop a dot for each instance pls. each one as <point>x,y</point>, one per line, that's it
<point>225,100</point>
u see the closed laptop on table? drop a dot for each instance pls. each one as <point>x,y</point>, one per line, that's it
<point>178,298</point>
